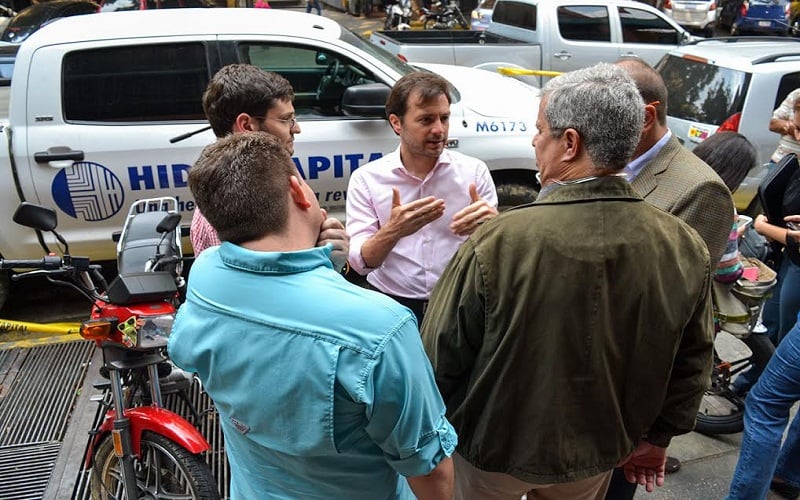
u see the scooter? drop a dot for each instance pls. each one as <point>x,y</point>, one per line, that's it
<point>139,449</point>
<point>443,17</point>
<point>398,15</point>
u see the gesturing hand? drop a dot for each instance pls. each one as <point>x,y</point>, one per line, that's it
<point>467,220</point>
<point>409,218</point>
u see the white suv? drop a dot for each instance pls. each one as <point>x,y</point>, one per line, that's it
<point>735,83</point>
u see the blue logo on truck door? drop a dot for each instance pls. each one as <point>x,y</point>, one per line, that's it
<point>88,191</point>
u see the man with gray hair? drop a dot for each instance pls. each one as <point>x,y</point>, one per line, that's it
<point>554,370</point>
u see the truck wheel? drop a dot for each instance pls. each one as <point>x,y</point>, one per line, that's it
<point>5,288</point>
<point>511,194</point>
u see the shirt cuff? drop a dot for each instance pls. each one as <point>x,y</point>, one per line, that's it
<point>431,450</point>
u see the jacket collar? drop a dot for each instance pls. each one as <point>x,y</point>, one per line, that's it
<point>602,188</point>
<point>647,180</point>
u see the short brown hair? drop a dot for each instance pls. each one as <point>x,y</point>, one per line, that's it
<point>242,88</point>
<point>429,86</point>
<point>241,183</point>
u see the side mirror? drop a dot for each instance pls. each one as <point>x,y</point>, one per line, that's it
<point>35,216</point>
<point>368,99</point>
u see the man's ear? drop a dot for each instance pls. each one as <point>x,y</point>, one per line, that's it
<point>396,123</point>
<point>572,144</point>
<point>650,117</point>
<point>298,195</point>
<point>244,123</point>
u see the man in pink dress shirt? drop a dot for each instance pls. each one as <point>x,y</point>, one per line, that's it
<point>408,212</point>
<point>242,98</point>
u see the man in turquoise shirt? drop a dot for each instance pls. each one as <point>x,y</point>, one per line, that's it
<point>323,388</point>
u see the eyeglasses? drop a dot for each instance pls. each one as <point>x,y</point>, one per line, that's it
<point>292,122</point>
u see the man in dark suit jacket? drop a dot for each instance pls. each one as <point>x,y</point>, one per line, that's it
<point>670,177</point>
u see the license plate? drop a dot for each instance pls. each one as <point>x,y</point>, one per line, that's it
<point>764,24</point>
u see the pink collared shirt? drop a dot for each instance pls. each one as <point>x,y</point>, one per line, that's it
<point>415,264</point>
<point>201,233</point>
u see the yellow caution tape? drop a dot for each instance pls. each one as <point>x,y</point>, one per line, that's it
<point>525,72</point>
<point>56,328</point>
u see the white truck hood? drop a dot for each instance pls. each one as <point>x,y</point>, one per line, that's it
<point>490,94</point>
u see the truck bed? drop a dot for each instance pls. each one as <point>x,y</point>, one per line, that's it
<point>435,37</point>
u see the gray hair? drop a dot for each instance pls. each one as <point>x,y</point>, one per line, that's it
<point>603,105</point>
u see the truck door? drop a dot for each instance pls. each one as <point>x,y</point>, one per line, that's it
<point>645,34</point>
<point>331,145</point>
<point>98,127</point>
<point>583,37</point>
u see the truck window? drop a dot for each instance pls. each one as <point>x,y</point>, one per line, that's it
<point>139,83</point>
<point>319,77</point>
<point>641,26</point>
<point>586,23</point>
<point>700,92</point>
<point>515,14</point>
<point>788,83</point>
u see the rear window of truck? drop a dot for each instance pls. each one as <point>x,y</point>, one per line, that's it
<point>702,92</point>
<point>138,83</point>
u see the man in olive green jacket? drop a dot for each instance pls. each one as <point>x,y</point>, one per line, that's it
<point>565,330</point>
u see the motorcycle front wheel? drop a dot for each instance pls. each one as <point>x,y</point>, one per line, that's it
<point>164,470</point>
<point>722,410</point>
<point>429,24</point>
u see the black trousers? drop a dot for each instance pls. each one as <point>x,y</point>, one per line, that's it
<point>620,488</point>
<point>417,306</point>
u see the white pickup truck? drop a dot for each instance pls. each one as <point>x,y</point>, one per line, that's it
<point>96,99</point>
<point>549,35</point>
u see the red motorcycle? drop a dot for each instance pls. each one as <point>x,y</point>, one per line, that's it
<point>139,449</point>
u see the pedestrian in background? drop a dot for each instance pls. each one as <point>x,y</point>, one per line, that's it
<point>409,211</point>
<point>262,4</point>
<point>559,354</point>
<point>313,4</point>
<point>764,463</point>
<point>323,388</point>
<point>783,122</point>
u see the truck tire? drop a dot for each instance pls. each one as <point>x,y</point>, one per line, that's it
<point>511,194</point>
<point>5,288</point>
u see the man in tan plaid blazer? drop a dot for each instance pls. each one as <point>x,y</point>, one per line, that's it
<point>670,177</point>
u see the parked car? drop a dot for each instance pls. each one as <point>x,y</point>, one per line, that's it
<point>694,15</point>
<point>115,5</point>
<point>30,19</point>
<point>758,17</point>
<point>482,15</point>
<point>730,84</point>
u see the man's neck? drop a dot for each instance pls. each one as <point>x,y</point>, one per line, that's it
<point>649,139</point>
<point>418,166</point>
<point>291,239</point>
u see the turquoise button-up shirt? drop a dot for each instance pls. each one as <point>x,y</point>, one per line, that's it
<point>323,388</point>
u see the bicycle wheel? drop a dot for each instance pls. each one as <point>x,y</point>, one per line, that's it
<point>164,470</point>
<point>722,411</point>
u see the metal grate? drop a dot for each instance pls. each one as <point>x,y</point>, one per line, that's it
<point>40,386</point>
<point>25,470</point>
<point>196,407</point>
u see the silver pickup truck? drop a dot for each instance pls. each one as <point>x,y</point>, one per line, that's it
<point>549,35</point>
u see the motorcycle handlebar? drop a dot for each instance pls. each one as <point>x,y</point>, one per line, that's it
<point>48,262</point>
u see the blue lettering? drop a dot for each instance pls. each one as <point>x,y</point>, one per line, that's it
<point>375,156</point>
<point>299,167</point>
<point>316,164</point>
<point>482,127</point>
<point>163,179</point>
<point>180,174</point>
<point>145,176</point>
<point>355,160</point>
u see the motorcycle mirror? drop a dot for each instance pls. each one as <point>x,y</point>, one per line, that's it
<point>35,216</point>
<point>168,223</point>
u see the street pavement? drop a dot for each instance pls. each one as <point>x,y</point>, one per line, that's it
<point>707,462</point>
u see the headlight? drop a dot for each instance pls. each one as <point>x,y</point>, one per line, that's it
<point>155,330</point>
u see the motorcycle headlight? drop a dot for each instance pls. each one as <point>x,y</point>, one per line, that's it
<point>155,331</point>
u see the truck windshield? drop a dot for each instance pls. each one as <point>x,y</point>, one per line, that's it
<point>375,51</point>
<point>702,92</point>
<point>387,58</point>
